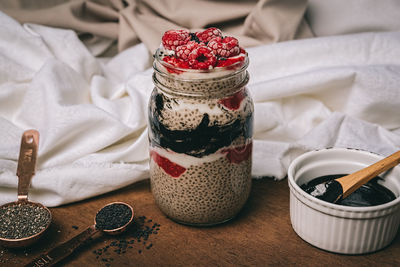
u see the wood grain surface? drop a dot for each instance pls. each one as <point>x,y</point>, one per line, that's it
<point>261,235</point>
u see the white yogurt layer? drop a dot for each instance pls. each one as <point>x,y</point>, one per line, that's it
<point>185,160</point>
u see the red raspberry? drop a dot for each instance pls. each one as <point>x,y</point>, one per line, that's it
<point>183,51</point>
<point>208,34</point>
<point>202,58</point>
<point>173,38</point>
<point>225,47</point>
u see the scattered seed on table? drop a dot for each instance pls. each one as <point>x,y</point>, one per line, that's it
<point>139,230</point>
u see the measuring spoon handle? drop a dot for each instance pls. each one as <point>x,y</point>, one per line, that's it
<point>63,250</point>
<point>27,162</point>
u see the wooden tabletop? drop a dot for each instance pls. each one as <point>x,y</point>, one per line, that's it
<point>261,235</point>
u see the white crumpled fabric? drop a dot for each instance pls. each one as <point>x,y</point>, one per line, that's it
<point>91,113</point>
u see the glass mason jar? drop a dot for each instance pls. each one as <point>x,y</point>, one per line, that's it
<point>200,133</point>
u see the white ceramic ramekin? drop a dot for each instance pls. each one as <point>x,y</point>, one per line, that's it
<point>335,228</point>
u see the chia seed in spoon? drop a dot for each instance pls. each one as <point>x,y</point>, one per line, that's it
<point>22,220</point>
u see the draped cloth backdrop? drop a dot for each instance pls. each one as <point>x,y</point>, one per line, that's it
<point>80,73</point>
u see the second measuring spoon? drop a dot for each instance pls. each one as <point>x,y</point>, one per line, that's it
<point>112,219</point>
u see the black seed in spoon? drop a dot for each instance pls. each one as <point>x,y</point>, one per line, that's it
<point>113,216</point>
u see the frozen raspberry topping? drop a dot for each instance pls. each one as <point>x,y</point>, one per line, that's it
<point>202,58</point>
<point>208,34</point>
<point>224,47</point>
<point>174,38</point>
<point>206,49</point>
<point>183,51</point>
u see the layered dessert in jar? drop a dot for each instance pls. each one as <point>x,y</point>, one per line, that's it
<point>200,127</point>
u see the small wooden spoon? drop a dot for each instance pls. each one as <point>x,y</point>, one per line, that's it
<point>337,189</point>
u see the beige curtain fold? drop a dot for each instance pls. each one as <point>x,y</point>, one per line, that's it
<point>129,22</point>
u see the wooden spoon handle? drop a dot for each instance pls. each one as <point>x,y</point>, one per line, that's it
<point>352,182</point>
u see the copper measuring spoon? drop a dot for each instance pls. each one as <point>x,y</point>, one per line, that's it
<point>25,172</point>
<point>63,250</point>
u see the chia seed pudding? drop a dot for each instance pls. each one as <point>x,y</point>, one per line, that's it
<point>200,131</point>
